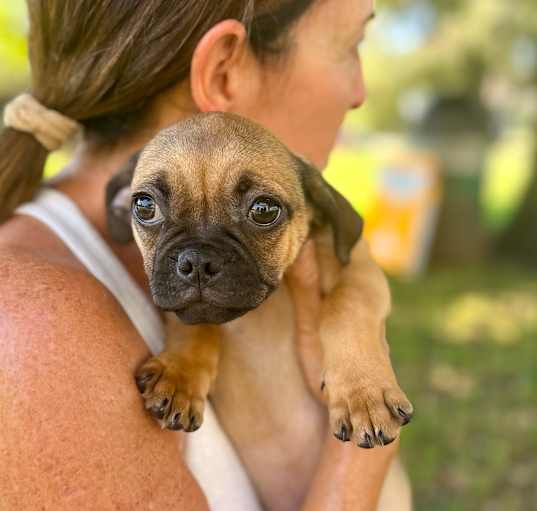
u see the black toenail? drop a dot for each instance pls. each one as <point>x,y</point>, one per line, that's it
<point>367,443</point>
<point>343,433</point>
<point>194,425</point>
<point>406,418</point>
<point>388,441</point>
<point>383,439</point>
<point>159,410</point>
<point>142,381</point>
<point>380,437</point>
<point>174,423</point>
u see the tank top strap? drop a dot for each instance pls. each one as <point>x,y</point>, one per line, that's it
<point>63,217</point>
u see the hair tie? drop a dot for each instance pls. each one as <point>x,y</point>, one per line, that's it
<point>51,128</point>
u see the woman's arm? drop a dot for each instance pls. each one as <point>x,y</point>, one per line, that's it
<point>349,478</point>
<point>73,433</point>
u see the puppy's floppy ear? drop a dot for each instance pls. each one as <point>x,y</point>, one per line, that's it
<point>118,202</point>
<point>346,223</point>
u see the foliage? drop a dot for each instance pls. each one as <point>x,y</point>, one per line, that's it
<point>13,72</point>
<point>509,165</point>
<point>478,49</point>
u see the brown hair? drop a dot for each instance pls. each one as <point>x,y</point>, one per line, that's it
<point>100,62</point>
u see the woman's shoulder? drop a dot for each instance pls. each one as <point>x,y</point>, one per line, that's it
<point>27,245</point>
<point>73,425</point>
<point>48,296</point>
<point>52,306</point>
<point>44,284</point>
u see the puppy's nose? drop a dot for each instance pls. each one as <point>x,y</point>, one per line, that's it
<point>198,267</point>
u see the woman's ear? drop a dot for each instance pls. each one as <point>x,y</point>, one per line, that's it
<point>218,80</point>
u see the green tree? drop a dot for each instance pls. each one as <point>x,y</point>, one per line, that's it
<point>473,53</point>
<point>14,68</point>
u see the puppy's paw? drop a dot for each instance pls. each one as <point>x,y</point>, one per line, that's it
<point>366,412</point>
<point>174,391</point>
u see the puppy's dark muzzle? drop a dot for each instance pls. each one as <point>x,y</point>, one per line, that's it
<point>199,266</point>
<point>208,280</point>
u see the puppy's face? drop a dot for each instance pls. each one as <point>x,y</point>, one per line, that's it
<point>220,209</point>
<point>219,213</point>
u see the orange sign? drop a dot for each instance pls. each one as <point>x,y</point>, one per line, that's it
<point>402,221</point>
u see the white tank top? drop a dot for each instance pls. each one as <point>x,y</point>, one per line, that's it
<point>208,452</point>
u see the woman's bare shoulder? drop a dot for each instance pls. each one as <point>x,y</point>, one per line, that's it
<point>74,433</point>
<point>50,306</point>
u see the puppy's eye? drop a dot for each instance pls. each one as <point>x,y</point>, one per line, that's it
<point>264,211</point>
<point>146,210</point>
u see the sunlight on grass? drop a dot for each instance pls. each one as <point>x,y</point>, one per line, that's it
<point>454,382</point>
<point>471,444</point>
<point>502,319</point>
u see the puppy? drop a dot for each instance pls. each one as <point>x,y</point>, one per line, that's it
<point>220,209</point>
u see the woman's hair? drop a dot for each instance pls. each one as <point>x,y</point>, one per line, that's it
<point>100,62</point>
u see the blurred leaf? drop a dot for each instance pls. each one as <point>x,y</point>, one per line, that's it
<point>13,47</point>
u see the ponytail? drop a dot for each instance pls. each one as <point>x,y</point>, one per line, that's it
<point>22,160</point>
<point>32,131</point>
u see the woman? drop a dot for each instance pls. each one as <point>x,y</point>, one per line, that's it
<point>74,436</point>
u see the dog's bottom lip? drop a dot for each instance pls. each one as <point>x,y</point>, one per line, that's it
<point>201,300</point>
<point>216,306</point>
<point>202,312</point>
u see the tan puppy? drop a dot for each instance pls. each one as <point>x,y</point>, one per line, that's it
<point>220,210</point>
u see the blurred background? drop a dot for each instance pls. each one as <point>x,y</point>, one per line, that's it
<point>442,163</point>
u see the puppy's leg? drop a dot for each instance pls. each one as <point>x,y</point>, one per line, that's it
<point>365,401</point>
<point>175,384</point>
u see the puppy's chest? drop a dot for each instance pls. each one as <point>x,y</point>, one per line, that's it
<point>262,401</point>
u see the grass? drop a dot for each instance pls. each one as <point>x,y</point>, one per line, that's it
<point>473,382</point>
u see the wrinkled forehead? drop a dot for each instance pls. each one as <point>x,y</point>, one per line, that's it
<point>201,159</point>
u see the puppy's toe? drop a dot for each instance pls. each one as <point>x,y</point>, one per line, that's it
<point>159,399</point>
<point>148,375</point>
<point>399,405</point>
<point>197,407</point>
<point>382,438</point>
<point>340,423</point>
<point>362,431</point>
<point>366,414</point>
<point>177,418</point>
<point>385,427</point>
<point>174,420</point>
<point>158,405</point>
<point>172,392</point>
<point>366,440</point>
<point>186,413</point>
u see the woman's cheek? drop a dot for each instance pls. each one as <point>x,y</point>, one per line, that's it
<point>358,89</point>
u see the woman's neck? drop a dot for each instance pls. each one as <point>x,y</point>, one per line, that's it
<point>84,181</point>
